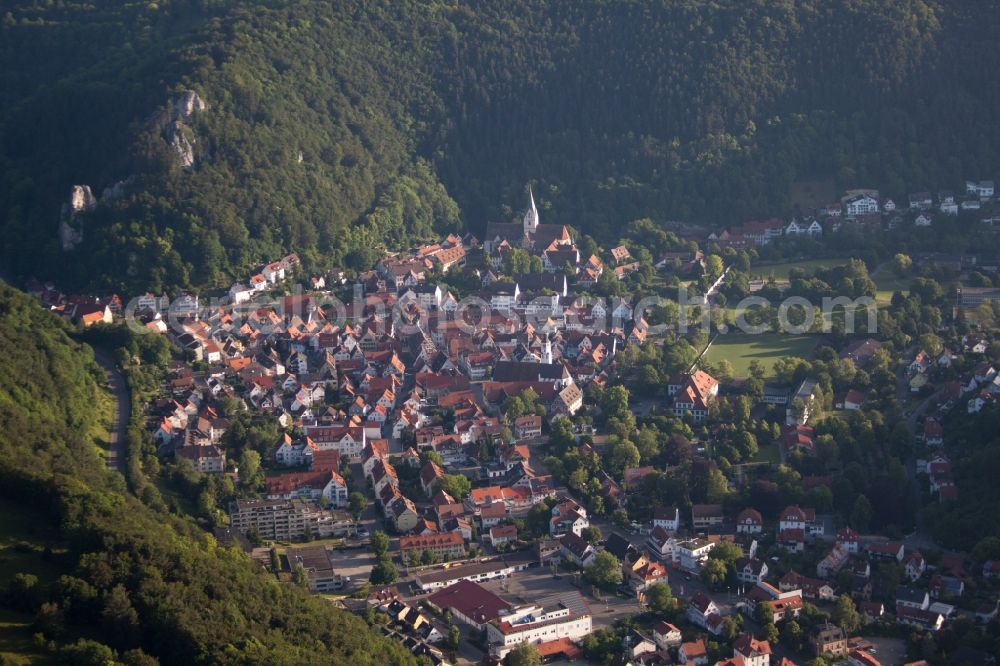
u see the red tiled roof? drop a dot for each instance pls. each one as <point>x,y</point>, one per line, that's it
<point>427,541</point>
<point>471,600</point>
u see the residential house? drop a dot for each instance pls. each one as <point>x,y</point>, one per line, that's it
<point>404,514</point>
<point>795,517</point>
<point>643,573</point>
<point>492,514</point>
<point>927,620</point>
<point>446,546</point>
<point>832,562</point>
<point>576,549</point>
<point>752,652</point>
<point>801,403</point>
<point>430,475</point>
<point>502,535</point>
<point>946,587</point>
<point>701,609</point>
<point>914,565</point>
<point>691,554</point>
<point>528,427</point>
<point>811,587</point>
<point>692,393</point>
<point>666,635</point>
<point>326,484</point>
<point>886,550</point>
<point>706,516</point>
<point>750,569</point>
<point>749,521</point>
<point>920,201</point>
<point>862,204</point>
<point>982,189</point>
<point>667,517</point>
<point>828,639</point>
<point>911,597</point>
<point>208,459</point>
<point>849,539</point>
<point>568,516</point>
<point>933,433</point>
<point>693,652</point>
<point>661,545</point>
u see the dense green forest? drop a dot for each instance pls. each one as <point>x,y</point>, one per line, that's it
<point>335,128</point>
<point>116,575</point>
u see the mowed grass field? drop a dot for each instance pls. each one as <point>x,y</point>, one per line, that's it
<point>741,349</point>
<point>780,271</point>
<point>887,282</point>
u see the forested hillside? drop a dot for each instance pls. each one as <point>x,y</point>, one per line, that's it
<point>335,128</point>
<point>116,574</point>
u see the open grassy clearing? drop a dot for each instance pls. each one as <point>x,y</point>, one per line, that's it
<point>768,453</point>
<point>100,429</point>
<point>741,349</point>
<point>780,271</point>
<point>887,282</point>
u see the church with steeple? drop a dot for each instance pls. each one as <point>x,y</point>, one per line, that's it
<point>530,235</point>
<point>530,215</point>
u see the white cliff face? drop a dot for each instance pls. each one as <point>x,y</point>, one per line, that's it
<point>185,104</point>
<point>183,147</point>
<point>81,200</point>
<point>176,131</point>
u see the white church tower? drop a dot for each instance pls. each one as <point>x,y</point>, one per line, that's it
<point>547,350</point>
<point>531,215</point>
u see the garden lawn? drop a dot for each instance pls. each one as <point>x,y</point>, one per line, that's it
<point>768,453</point>
<point>742,348</point>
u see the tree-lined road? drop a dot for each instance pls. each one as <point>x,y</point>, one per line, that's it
<point>123,406</point>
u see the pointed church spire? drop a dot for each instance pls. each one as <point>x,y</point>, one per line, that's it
<point>531,215</point>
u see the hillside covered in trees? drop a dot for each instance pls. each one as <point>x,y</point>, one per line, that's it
<point>333,129</point>
<point>93,569</point>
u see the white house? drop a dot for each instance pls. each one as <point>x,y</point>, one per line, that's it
<point>862,205</point>
<point>983,189</point>
<point>274,273</point>
<point>240,293</point>
<point>701,609</point>
<point>667,517</point>
<point>692,554</point>
<point>561,616</point>
<point>749,521</point>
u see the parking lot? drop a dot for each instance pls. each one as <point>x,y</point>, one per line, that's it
<point>355,564</point>
<point>525,587</point>
<point>889,651</point>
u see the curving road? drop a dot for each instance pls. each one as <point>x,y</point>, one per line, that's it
<point>123,406</point>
